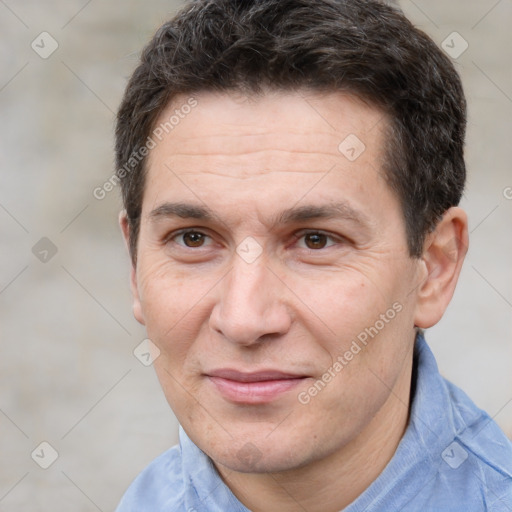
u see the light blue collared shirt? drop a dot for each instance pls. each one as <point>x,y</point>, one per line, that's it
<point>453,457</point>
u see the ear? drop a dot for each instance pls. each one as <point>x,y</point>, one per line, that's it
<point>137,307</point>
<point>442,258</point>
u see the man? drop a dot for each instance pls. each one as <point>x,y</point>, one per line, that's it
<point>291,171</point>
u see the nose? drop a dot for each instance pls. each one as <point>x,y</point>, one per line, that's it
<point>251,305</point>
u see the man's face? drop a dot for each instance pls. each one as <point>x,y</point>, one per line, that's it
<point>267,254</point>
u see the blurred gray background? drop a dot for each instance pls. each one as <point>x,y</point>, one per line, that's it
<point>68,373</point>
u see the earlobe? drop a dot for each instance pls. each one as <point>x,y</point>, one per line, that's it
<point>442,259</point>
<point>137,307</point>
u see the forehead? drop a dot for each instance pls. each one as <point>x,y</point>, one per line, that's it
<point>269,148</point>
<point>321,120</point>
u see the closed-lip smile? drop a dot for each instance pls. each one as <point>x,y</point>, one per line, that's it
<point>256,387</point>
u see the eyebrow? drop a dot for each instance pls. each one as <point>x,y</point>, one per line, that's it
<point>184,211</point>
<point>296,214</point>
<point>339,210</point>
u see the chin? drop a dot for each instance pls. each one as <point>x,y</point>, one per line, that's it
<point>259,450</point>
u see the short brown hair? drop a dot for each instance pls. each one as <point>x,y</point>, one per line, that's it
<point>364,47</point>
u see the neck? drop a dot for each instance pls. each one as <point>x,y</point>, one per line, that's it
<point>332,483</point>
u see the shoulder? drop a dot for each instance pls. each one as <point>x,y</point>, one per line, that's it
<point>479,459</point>
<point>479,432</point>
<point>159,486</point>
<point>452,417</point>
<point>461,459</point>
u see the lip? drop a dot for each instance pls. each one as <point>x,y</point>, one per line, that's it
<point>253,387</point>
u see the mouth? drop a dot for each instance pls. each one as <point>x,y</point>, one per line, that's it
<point>253,387</point>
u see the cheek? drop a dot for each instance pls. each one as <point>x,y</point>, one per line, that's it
<point>366,317</point>
<point>344,301</point>
<point>174,305</point>
<point>166,291</point>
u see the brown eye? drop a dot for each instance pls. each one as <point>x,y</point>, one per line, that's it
<point>193,239</point>
<point>315,240</point>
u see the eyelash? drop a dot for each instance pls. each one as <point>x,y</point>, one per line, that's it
<point>297,236</point>
<point>173,236</point>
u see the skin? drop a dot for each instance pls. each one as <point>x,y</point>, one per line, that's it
<point>317,284</point>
